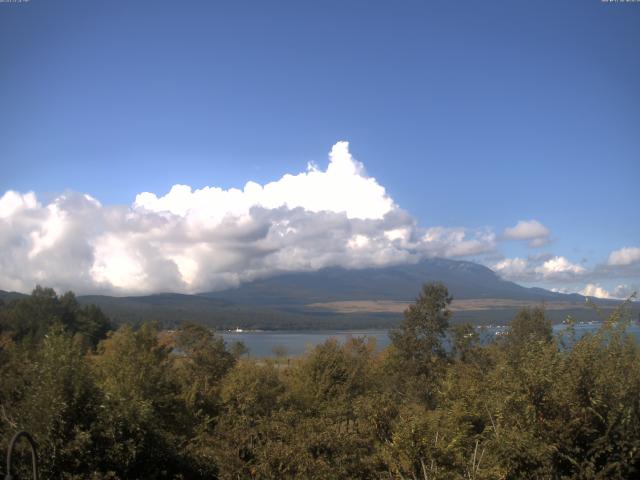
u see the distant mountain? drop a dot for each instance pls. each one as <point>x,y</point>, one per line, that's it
<point>342,298</point>
<point>8,296</point>
<point>465,280</point>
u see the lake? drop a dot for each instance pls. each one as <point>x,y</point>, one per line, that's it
<point>296,342</point>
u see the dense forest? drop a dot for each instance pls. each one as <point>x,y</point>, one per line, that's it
<point>145,403</point>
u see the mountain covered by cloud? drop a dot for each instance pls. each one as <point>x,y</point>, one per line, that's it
<point>212,238</point>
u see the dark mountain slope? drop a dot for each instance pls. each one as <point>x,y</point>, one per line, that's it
<point>8,296</point>
<point>465,280</point>
<point>286,301</point>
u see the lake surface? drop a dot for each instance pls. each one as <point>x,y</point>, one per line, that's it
<point>296,342</point>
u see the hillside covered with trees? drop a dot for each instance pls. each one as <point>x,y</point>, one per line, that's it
<point>437,404</point>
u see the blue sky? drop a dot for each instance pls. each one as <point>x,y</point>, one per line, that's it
<point>473,115</point>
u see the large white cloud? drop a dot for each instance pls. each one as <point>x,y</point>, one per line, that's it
<point>13,202</point>
<point>532,230</point>
<point>624,256</point>
<point>513,268</point>
<point>553,270</point>
<point>211,238</point>
<point>539,268</point>
<point>342,187</point>
<point>625,291</point>
<point>620,292</point>
<point>559,267</point>
<point>595,290</point>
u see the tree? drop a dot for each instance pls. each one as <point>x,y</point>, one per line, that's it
<point>418,355</point>
<point>250,395</point>
<point>143,420</point>
<point>206,359</point>
<point>464,340</point>
<point>29,319</point>
<point>238,349</point>
<point>59,405</point>
<point>530,325</point>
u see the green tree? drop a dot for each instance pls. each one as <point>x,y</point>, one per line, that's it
<point>143,423</point>
<point>251,394</point>
<point>59,405</point>
<point>529,325</point>
<point>238,349</point>
<point>418,356</point>
<point>29,318</point>
<point>596,432</point>
<point>203,363</point>
<point>464,341</point>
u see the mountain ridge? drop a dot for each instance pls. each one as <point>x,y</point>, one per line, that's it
<point>464,279</point>
<point>337,297</point>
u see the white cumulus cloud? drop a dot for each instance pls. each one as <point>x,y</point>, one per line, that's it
<point>620,292</point>
<point>594,290</point>
<point>559,267</point>
<point>538,268</point>
<point>512,268</point>
<point>624,256</point>
<point>342,187</point>
<point>211,238</point>
<point>12,202</point>
<point>532,230</point>
<point>625,291</point>
<point>456,242</point>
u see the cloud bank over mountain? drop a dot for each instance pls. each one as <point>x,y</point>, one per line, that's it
<point>211,238</point>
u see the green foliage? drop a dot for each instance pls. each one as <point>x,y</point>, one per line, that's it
<point>204,364</point>
<point>418,356</point>
<point>530,325</point>
<point>437,404</point>
<point>464,341</point>
<point>142,409</point>
<point>251,394</point>
<point>332,376</point>
<point>29,318</point>
<point>238,349</point>
<point>57,401</point>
